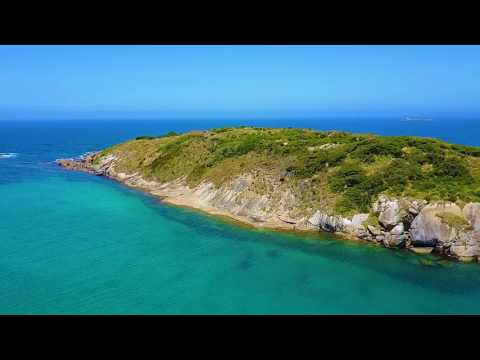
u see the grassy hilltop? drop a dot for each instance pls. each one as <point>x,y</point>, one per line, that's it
<point>342,171</point>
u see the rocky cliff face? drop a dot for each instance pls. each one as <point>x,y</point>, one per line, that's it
<point>444,227</point>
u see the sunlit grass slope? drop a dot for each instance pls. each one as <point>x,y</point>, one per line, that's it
<point>343,170</point>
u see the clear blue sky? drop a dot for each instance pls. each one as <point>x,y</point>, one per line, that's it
<point>198,81</point>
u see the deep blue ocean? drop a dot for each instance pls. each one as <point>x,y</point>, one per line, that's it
<point>72,243</point>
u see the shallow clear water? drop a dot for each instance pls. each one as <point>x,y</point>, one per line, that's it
<point>75,243</point>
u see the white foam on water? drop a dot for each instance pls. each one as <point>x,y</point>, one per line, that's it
<point>7,155</point>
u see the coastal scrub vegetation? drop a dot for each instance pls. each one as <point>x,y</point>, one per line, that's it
<point>344,170</point>
<point>147,137</point>
<point>455,221</point>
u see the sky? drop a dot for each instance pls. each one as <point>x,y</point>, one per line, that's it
<point>66,82</point>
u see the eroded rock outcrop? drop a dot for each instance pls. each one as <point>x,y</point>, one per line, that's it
<point>391,211</point>
<point>83,163</point>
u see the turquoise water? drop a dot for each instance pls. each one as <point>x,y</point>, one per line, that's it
<point>72,243</point>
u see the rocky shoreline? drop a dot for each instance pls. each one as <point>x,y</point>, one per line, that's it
<point>443,228</point>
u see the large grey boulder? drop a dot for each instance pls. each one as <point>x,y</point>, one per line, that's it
<point>471,211</point>
<point>398,229</point>
<point>334,223</point>
<point>390,211</point>
<point>364,234</point>
<point>358,220</point>
<point>428,229</point>
<point>465,252</point>
<point>466,246</point>
<point>396,237</point>
<point>330,223</point>
<point>394,241</point>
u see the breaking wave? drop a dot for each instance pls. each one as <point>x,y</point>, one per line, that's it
<point>7,155</point>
